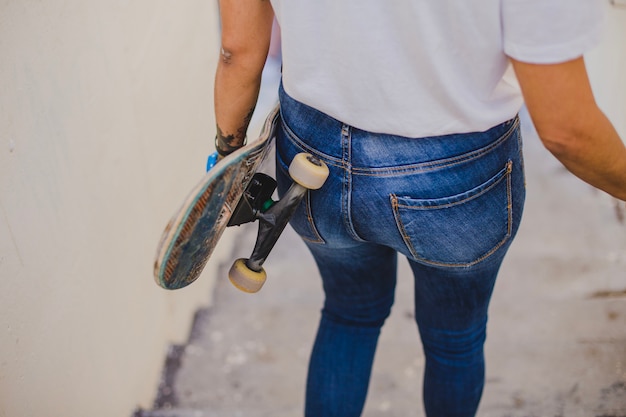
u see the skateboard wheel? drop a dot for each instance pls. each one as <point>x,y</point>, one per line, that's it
<point>246,279</point>
<point>308,171</point>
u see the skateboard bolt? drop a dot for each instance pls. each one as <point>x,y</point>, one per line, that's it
<point>314,160</point>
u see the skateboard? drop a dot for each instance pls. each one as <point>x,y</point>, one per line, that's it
<point>230,194</point>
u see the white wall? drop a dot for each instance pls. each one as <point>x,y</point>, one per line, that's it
<point>105,121</point>
<point>606,65</point>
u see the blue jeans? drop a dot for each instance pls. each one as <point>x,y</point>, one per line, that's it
<point>450,204</point>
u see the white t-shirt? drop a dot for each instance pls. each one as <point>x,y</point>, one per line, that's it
<point>424,67</point>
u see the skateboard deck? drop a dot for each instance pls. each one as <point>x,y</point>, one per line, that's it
<point>195,229</point>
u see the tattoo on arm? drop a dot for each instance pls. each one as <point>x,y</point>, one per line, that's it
<point>246,122</point>
<point>228,143</point>
<point>228,140</point>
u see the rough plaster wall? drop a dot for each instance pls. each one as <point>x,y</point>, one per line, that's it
<point>105,121</point>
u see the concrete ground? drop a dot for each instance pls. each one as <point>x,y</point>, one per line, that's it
<point>557,330</point>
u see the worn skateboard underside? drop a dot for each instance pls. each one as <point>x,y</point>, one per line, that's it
<point>194,230</point>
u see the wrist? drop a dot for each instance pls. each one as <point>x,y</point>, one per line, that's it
<point>224,149</point>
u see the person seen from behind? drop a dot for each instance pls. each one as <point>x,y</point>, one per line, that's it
<point>412,106</point>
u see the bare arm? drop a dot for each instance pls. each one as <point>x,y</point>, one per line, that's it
<point>246,34</point>
<point>570,124</point>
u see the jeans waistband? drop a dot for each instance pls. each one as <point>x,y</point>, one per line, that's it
<point>329,137</point>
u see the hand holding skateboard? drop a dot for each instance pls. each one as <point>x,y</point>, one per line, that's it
<point>233,193</point>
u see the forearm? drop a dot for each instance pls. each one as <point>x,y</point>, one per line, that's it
<point>570,124</point>
<point>595,153</point>
<point>246,34</point>
<point>236,91</point>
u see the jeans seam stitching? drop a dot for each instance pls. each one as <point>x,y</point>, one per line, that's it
<point>438,164</point>
<point>502,175</point>
<point>298,142</point>
<point>309,215</point>
<point>346,144</point>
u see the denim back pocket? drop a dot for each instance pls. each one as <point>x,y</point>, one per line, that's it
<point>302,219</point>
<point>459,230</point>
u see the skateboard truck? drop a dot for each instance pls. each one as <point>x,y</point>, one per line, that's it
<point>307,173</point>
<point>256,199</point>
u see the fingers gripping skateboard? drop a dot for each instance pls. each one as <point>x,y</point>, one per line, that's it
<point>308,173</point>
